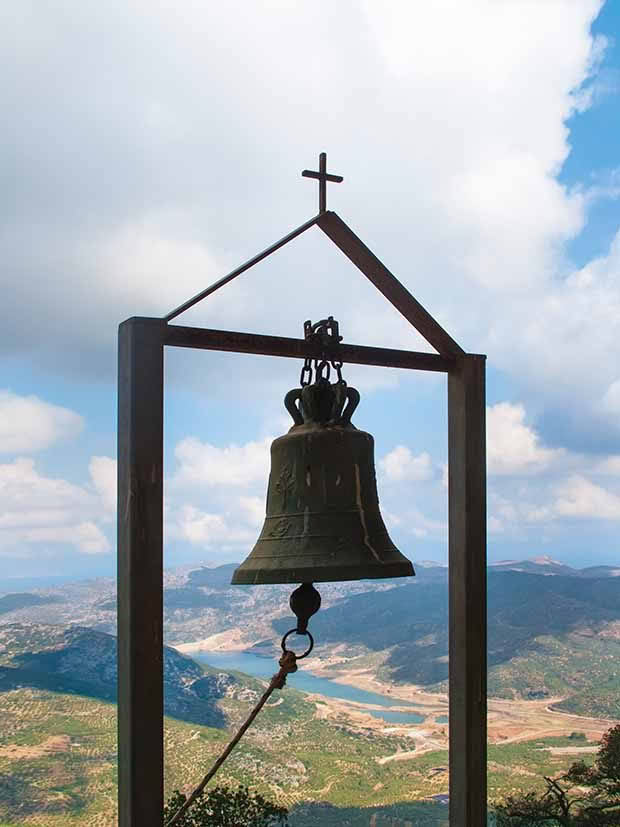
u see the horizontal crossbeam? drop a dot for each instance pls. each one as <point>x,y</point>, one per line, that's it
<point>233,342</point>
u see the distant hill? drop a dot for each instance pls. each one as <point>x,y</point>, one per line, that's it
<point>546,566</point>
<point>80,660</point>
<point>14,602</point>
<point>546,635</point>
<point>553,629</point>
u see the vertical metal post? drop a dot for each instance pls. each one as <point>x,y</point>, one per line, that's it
<point>467,576</point>
<point>140,572</point>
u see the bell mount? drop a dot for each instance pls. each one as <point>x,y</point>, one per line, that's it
<point>140,519</point>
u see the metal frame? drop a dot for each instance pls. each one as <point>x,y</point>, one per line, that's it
<point>140,536</point>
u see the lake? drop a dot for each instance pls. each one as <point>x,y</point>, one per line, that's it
<point>261,667</point>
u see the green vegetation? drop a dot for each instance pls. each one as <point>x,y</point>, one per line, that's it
<point>513,766</point>
<point>58,763</point>
<point>549,638</point>
<point>225,807</point>
<point>587,795</point>
<point>57,759</point>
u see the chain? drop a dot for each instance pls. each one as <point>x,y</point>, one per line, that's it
<point>306,373</point>
<point>326,334</point>
<point>321,370</point>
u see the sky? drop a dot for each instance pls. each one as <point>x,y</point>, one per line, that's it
<point>148,149</point>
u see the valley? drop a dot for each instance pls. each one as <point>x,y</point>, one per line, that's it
<point>363,733</point>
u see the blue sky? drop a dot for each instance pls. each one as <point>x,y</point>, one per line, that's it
<point>150,150</point>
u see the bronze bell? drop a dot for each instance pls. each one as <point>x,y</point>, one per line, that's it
<point>323,521</point>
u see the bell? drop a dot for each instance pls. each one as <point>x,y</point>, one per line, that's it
<point>323,521</point>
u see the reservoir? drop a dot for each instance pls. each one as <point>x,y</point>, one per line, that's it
<point>261,667</point>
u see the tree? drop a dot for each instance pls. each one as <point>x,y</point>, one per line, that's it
<point>225,807</point>
<point>582,797</point>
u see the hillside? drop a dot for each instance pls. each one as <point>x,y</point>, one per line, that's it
<point>58,724</point>
<point>547,636</point>
<point>83,661</point>
<point>553,630</point>
<point>58,761</point>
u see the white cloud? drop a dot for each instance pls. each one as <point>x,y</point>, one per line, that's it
<point>103,475</point>
<point>138,197</point>
<point>400,465</point>
<point>85,537</point>
<point>609,465</point>
<point>215,497</point>
<point>200,463</point>
<point>580,497</point>
<point>562,340</point>
<point>495,525</point>
<point>212,530</point>
<point>39,510</point>
<point>457,113</point>
<point>28,424</point>
<point>518,509</point>
<point>253,509</point>
<point>611,398</point>
<point>512,446</point>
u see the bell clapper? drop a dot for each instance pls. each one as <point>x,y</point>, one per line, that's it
<point>304,602</point>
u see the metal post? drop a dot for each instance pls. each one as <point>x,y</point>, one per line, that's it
<point>140,572</point>
<point>467,577</point>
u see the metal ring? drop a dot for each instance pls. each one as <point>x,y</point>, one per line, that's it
<point>308,650</point>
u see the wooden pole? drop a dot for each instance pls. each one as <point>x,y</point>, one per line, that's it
<point>140,572</point>
<point>467,578</point>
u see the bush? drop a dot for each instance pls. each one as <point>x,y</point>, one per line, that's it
<point>225,807</point>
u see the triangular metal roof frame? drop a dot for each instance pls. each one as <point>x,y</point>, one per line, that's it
<point>365,260</point>
<point>140,525</point>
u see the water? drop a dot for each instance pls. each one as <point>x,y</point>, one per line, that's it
<point>260,667</point>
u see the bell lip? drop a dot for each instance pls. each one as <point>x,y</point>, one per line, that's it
<point>263,577</point>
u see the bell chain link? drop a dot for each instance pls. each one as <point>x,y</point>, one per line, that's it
<point>320,332</point>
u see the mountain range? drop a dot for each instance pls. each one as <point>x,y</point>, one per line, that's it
<point>554,636</point>
<point>553,630</point>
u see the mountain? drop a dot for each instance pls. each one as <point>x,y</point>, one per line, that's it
<point>547,636</point>
<point>546,566</point>
<point>80,660</point>
<point>14,602</point>
<point>553,630</point>
<point>543,564</point>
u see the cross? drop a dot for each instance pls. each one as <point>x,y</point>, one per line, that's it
<point>323,177</point>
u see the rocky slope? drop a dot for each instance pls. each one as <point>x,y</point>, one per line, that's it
<point>81,660</point>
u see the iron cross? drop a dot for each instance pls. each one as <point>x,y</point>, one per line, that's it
<point>323,177</point>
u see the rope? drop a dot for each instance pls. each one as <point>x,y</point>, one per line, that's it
<point>288,664</point>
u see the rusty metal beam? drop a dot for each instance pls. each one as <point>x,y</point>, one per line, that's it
<point>364,259</point>
<point>467,589</point>
<point>140,572</point>
<point>233,342</point>
<point>241,269</point>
